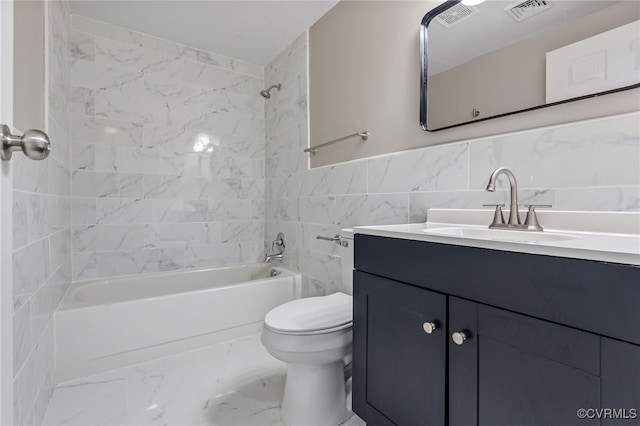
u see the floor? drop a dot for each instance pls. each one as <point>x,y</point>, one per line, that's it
<point>232,383</point>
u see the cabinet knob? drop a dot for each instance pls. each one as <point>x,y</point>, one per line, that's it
<point>458,337</point>
<point>429,327</point>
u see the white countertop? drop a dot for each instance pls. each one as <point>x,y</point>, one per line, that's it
<point>603,236</point>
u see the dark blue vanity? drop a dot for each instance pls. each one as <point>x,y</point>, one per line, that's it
<point>455,335</point>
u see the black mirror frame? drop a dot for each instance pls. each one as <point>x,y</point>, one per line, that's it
<point>424,63</point>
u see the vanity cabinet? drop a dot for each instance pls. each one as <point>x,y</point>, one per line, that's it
<point>533,351</point>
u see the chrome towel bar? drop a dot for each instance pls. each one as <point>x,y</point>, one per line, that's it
<point>364,135</point>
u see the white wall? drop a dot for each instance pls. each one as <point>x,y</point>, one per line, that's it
<point>591,165</point>
<point>144,198</point>
<point>41,231</point>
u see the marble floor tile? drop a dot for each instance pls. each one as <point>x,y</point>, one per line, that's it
<point>233,383</point>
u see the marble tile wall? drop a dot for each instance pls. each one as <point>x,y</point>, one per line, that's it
<point>167,154</point>
<point>591,165</point>
<point>41,233</point>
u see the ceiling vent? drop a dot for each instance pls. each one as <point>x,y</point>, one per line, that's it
<point>455,15</point>
<point>527,9</point>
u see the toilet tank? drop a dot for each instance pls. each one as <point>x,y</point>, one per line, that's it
<point>346,253</point>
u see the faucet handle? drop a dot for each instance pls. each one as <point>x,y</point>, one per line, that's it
<point>280,242</point>
<point>498,217</point>
<point>531,221</point>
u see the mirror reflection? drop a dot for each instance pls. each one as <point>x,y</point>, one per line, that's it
<point>495,58</point>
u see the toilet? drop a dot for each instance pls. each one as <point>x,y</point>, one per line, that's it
<point>313,336</point>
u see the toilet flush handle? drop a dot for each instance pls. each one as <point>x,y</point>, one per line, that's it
<point>336,239</point>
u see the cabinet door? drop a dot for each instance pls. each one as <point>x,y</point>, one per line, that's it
<point>398,368</point>
<point>527,371</point>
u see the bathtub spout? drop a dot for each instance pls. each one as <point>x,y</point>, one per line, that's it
<point>276,256</point>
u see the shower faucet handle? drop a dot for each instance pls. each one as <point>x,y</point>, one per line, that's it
<point>280,242</point>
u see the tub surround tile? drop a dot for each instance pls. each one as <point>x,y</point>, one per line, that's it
<point>222,254</point>
<point>30,176</point>
<point>82,101</point>
<point>19,218</point>
<point>213,77</point>
<point>236,65</point>
<point>147,61</point>
<point>83,156</point>
<point>137,160</point>
<point>123,210</point>
<point>130,262</point>
<point>97,130</point>
<point>60,248</point>
<point>248,231</point>
<point>108,237</point>
<point>22,341</point>
<point>181,234</point>
<point>38,216</point>
<point>82,45</point>
<point>27,278</point>
<point>83,210</point>
<point>85,266</point>
<point>61,135</point>
<point>168,47</point>
<point>98,184</point>
<point>83,73</point>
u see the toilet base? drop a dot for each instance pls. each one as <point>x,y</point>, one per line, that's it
<point>314,395</point>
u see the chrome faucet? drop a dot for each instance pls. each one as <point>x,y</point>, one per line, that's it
<point>280,242</point>
<point>514,222</point>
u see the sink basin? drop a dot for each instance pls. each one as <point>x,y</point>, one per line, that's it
<point>600,236</point>
<point>498,234</point>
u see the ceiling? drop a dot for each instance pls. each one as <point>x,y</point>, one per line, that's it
<point>255,31</point>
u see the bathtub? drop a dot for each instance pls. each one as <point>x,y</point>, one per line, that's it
<point>112,323</point>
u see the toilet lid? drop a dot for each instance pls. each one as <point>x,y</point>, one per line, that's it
<point>311,314</point>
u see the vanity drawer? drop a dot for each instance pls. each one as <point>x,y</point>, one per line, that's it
<point>599,297</point>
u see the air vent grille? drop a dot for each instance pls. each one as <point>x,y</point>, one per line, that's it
<point>527,9</point>
<point>455,14</point>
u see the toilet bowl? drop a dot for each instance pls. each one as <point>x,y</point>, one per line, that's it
<point>314,336</point>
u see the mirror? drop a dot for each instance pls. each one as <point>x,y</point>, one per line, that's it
<point>498,58</point>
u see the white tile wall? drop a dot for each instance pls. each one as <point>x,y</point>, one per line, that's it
<point>41,233</point>
<point>167,154</point>
<point>579,166</point>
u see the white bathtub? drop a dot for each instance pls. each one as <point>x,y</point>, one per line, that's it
<point>107,324</point>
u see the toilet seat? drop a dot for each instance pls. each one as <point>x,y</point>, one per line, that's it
<point>312,315</point>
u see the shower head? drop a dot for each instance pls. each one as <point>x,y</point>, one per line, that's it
<point>266,93</point>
